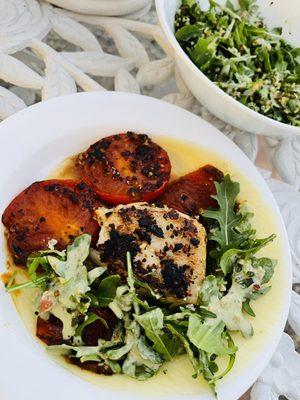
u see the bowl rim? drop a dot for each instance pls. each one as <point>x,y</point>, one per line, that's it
<point>62,110</point>
<point>288,130</point>
<point>101,7</point>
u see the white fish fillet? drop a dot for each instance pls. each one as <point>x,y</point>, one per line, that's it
<point>168,248</point>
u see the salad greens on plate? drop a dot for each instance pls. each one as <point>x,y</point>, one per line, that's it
<point>235,49</point>
<point>73,284</point>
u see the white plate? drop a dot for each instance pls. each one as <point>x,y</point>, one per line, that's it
<point>32,142</point>
<point>285,13</point>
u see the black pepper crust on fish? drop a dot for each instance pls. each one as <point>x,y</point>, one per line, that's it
<point>168,248</point>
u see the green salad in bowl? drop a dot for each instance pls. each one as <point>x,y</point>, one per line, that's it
<point>235,49</point>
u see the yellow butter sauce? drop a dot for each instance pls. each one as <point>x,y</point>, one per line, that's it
<point>175,377</point>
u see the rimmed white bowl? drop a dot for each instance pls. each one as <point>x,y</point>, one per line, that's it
<point>34,141</point>
<point>279,13</point>
<point>102,7</point>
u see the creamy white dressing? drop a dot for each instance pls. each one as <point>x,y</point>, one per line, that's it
<point>229,310</point>
<point>59,311</point>
<point>72,283</point>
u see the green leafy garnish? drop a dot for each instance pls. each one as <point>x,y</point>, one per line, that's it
<point>107,290</point>
<point>231,361</point>
<point>238,52</point>
<point>178,331</point>
<point>226,236</point>
<point>153,324</point>
<point>229,258</point>
<point>233,235</point>
<point>208,336</point>
<point>247,308</point>
<point>91,317</point>
<point>147,288</point>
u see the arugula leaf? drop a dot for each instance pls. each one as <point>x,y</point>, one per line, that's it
<point>153,323</point>
<point>34,262</point>
<point>71,283</point>
<point>143,303</point>
<point>117,354</point>
<point>247,308</point>
<point>76,351</point>
<point>172,344</point>
<point>246,4</point>
<point>41,256</point>
<point>130,275</point>
<point>93,298</point>
<point>231,361</point>
<point>94,273</point>
<point>199,359</point>
<point>131,282</point>
<point>230,256</point>
<point>114,366</point>
<point>187,32</point>
<point>91,357</point>
<point>91,317</point>
<point>141,361</point>
<point>179,333</point>
<point>147,287</point>
<point>208,336</point>
<point>203,52</point>
<point>225,236</point>
<point>267,265</point>
<point>204,313</point>
<point>122,302</point>
<point>228,307</point>
<point>107,289</point>
<point>234,236</point>
<point>229,5</point>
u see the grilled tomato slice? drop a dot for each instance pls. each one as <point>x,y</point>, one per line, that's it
<point>51,209</point>
<point>125,168</point>
<point>192,192</point>
<point>50,330</point>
